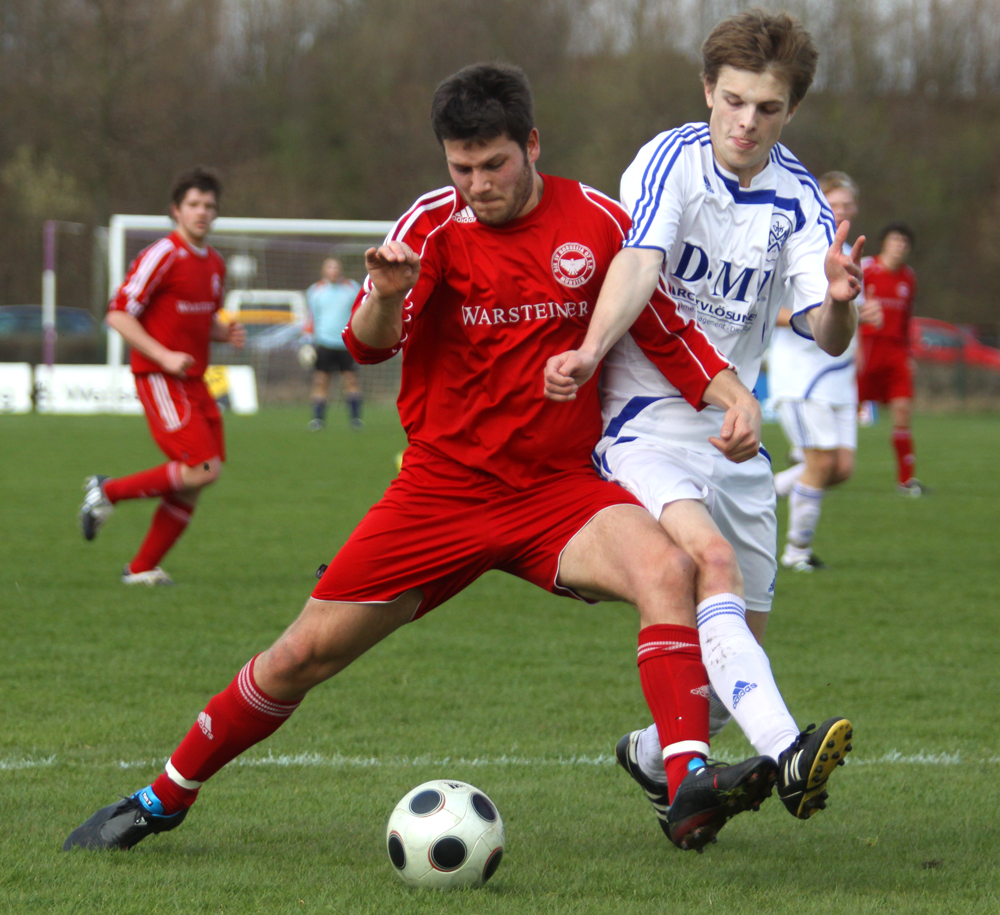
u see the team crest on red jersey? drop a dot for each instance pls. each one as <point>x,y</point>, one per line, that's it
<point>573,264</point>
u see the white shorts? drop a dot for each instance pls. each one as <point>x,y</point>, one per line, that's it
<point>823,426</point>
<point>739,497</point>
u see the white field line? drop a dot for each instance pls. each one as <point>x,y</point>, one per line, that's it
<point>338,761</point>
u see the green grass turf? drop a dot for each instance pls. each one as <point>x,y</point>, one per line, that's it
<point>521,693</point>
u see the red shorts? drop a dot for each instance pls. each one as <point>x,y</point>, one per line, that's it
<point>885,372</point>
<point>440,525</point>
<point>182,416</point>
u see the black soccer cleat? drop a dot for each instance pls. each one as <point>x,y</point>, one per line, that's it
<point>96,508</point>
<point>657,793</point>
<point>803,769</point>
<point>121,825</point>
<point>713,794</point>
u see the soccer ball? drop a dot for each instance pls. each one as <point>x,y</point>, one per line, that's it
<point>444,835</point>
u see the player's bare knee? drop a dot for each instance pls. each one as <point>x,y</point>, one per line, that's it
<point>718,565</point>
<point>669,573</point>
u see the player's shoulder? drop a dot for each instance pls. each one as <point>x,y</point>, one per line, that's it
<point>794,178</point>
<point>159,250</point>
<point>427,214</point>
<point>677,144</point>
<point>605,208</point>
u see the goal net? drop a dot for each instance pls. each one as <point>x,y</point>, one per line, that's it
<point>269,265</point>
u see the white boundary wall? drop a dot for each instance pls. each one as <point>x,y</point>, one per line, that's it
<point>80,389</point>
<point>233,225</point>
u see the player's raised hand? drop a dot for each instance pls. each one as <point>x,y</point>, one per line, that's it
<point>176,363</point>
<point>393,267</point>
<point>843,271</point>
<point>739,439</point>
<point>567,372</point>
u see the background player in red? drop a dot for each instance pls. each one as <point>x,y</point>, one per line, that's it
<point>476,285</point>
<point>885,367</point>
<point>167,312</point>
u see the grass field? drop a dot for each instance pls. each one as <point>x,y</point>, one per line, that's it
<point>521,693</point>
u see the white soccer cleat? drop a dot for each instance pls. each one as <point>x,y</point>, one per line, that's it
<point>96,508</point>
<point>801,560</point>
<point>151,578</point>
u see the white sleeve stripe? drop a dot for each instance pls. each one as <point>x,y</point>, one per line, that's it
<point>424,204</point>
<point>596,198</point>
<point>684,343</point>
<point>655,176</point>
<point>149,260</point>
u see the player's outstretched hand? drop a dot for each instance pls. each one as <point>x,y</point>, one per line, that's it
<point>739,439</point>
<point>394,268</point>
<point>176,363</point>
<point>236,334</point>
<point>843,271</point>
<point>566,373</point>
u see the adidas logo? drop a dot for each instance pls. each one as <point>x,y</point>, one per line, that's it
<point>205,723</point>
<point>703,691</point>
<point>741,689</point>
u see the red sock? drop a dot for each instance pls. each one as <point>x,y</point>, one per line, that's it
<point>157,481</point>
<point>170,520</point>
<point>906,462</point>
<point>675,684</point>
<point>233,721</point>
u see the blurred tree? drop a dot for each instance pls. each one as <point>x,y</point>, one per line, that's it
<point>320,108</point>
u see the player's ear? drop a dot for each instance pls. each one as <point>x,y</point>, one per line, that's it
<point>533,146</point>
<point>709,89</point>
<point>791,112</point>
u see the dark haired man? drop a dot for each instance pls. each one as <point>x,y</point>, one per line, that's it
<point>475,285</point>
<point>166,311</point>
<point>885,370</point>
<point>731,225</point>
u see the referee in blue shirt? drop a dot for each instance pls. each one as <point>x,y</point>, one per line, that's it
<point>330,302</point>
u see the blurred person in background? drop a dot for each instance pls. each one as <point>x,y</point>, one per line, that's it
<point>330,300</point>
<point>167,312</point>
<point>817,396</point>
<point>885,365</point>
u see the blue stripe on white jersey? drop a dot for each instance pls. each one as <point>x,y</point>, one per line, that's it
<point>782,156</point>
<point>764,196</point>
<point>654,177</point>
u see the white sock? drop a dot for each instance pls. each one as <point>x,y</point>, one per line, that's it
<point>650,755</point>
<point>741,674</point>
<point>786,479</point>
<point>804,506</point>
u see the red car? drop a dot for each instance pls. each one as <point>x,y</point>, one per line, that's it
<point>937,341</point>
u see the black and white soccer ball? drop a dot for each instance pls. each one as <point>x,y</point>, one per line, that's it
<point>444,835</point>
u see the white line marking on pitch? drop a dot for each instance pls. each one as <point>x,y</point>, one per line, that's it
<point>338,761</point>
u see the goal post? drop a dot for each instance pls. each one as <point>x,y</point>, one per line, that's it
<point>267,260</point>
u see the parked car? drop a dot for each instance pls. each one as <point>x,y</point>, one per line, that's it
<point>79,335</point>
<point>937,341</point>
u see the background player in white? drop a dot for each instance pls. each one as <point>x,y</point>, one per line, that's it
<point>330,299</point>
<point>730,224</point>
<point>817,397</point>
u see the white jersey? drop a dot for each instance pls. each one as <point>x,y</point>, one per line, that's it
<point>732,257</point>
<point>797,369</point>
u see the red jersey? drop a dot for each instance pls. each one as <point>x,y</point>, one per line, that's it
<point>174,290</point>
<point>490,307</point>
<point>895,290</point>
